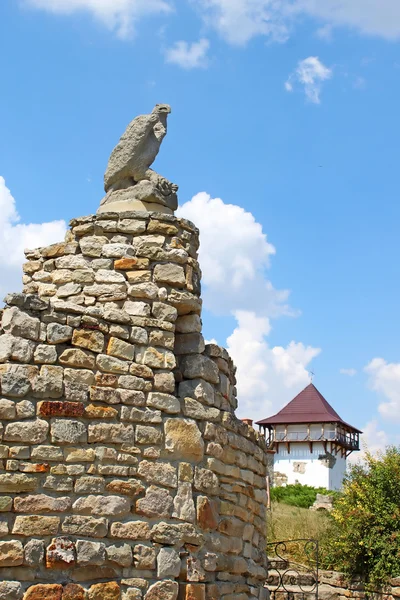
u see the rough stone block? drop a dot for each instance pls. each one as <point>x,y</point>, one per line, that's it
<point>183,440</point>
<point>157,503</point>
<point>102,506</point>
<point>32,432</point>
<point>86,526</point>
<point>90,553</point>
<point>35,525</point>
<point>11,554</point>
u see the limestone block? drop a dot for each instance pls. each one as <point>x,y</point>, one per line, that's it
<point>88,339</point>
<point>130,382</point>
<point>144,557</point>
<point>68,432</point>
<point>164,382</point>
<point>139,335</point>
<point>68,289</point>
<point>127,487</point>
<point>183,503</point>
<point>199,389</point>
<point>146,434</point>
<point>32,432</point>
<point>60,553</point>
<point>102,506</point>
<point>146,289</point>
<point>34,553</point>
<point>188,324</point>
<point>35,525</point>
<point>120,349</point>
<point>10,590</point>
<point>184,302</point>
<point>164,312</point>
<point>89,485</point>
<point>163,590</point>
<point>157,503</point>
<point>159,473</point>
<point>41,503</point>
<point>118,251</point>
<point>110,364</point>
<point>90,553</point>
<point>59,484</point>
<point>165,402</point>
<point>189,343</point>
<point>193,408</point>
<point>49,383</point>
<point>7,409</point>
<point>77,358</point>
<point>114,433</point>
<point>121,554</point>
<point>107,276</point>
<point>15,483</point>
<point>19,324</point>
<point>183,440</point>
<point>133,530</point>
<point>168,563</point>
<point>206,481</point>
<point>11,554</point>
<point>58,334</point>
<point>16,380</point>
<point>171,274</point>
<point>25,409</point>
<point>140,416</point>
<point>199,366</point>
<point>137,309</point>
<point>92,245</point>
<point>86,526</point>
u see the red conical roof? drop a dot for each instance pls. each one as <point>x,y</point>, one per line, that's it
<point>307,407</point>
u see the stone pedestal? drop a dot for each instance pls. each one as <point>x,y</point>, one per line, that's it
<point>124,471</point>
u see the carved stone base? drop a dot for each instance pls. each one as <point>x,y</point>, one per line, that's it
<point>145,195</point>
<point>128,205</point>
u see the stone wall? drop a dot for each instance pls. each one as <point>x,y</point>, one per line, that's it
<point>124,471</point>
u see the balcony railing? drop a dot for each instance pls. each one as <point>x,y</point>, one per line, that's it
<point>349,441</point>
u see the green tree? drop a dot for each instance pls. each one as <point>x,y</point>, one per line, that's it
<point>365,535</point>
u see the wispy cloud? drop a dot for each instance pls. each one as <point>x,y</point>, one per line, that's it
<point>188,56</point>
<point>348,372</point>
<point>310,73</point>
<point>120,16</point>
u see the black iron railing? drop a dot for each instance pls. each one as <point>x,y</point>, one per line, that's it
<point>293,569</point>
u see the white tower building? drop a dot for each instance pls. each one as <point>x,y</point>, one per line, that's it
<point>311,442</point>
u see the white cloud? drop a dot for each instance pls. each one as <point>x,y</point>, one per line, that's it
<point>15,237</point>
<point>384,378</point>
<point>234,256</point>
<point>349,372</point>
<point>188,56</point>
<point>238,21</point>
<point>267,377</point>
<point>310,73</point>
<point>117,15</point>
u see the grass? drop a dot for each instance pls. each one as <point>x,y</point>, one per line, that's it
<point>286,522</point>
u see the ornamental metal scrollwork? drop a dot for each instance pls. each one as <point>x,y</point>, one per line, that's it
<point>293,569</point>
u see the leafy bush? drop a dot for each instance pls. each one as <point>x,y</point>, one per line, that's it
<point>365,538</point>
<point>299,495</point>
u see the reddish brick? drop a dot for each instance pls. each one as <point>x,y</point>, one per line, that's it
<point>44,592</point>
<point>72,591</point>
<point>207,517</point>
<point>61,409</point>
<point>192,591</point>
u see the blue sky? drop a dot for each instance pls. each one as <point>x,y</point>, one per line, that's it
<point>286,111</point>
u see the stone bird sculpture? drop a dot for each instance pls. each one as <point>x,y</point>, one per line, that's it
<point>129,182</point>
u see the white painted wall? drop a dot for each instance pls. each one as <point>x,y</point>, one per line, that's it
<point>316,473</point>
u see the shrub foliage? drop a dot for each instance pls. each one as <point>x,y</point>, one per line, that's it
<point>302,496</point>
<point>365,535</point>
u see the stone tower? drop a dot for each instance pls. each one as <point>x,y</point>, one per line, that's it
<point>124,471</point>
